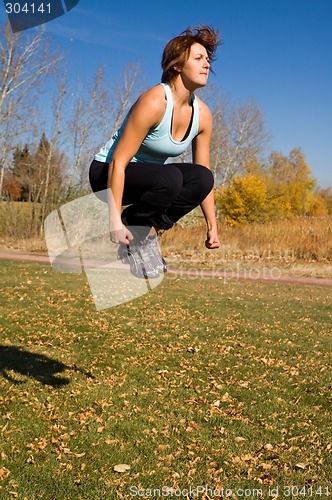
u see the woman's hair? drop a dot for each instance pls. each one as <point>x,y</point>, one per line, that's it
<point>177,50</point>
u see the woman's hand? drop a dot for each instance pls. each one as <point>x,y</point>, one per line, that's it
<point>212,240</point>
<point>121,235</point>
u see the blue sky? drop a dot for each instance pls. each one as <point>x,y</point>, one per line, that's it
<point>277,52</point>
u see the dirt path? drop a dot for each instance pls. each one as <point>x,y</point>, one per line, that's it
<point>251,275</point>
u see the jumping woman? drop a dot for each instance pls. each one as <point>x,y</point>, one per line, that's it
<point>161,124</point>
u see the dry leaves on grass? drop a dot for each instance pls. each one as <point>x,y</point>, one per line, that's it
<point>121,468</point>
<point>208,389</point>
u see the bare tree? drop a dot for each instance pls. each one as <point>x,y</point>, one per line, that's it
<point>239,137</point>
<point>25,63</point>
<point>86,123</point>
<point>130,85</point>
<point>51,150</point>
<point>98,113</point>
<point>5,145</point>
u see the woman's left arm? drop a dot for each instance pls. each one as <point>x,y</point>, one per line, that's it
<point>201,156</point>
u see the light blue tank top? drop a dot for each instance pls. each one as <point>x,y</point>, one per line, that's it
<point>158,144</point>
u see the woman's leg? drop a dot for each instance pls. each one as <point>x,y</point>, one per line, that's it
<point>197,183</point>
<point>98,174</point>
<point>156,194</point>
<point>150,189</point>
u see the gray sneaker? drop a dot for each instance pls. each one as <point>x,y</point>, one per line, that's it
<point>138,259</point>
<point>153,253</point>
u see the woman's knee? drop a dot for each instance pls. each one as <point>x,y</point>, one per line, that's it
<point>197,176</point>
<point>206,178</point>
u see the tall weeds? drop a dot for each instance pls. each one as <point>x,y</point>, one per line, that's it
<point>300,239</point>
<point>294,240</point>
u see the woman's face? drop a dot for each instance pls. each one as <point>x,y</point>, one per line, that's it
<point>195,70</point>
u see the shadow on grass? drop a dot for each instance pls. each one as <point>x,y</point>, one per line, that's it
<point>34,365</point>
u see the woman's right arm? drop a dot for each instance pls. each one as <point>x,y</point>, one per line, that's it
<point>145,114</point>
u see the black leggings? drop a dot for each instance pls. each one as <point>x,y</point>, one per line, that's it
<point>156,194</point>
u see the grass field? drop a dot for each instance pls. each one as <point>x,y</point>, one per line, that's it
<point>200,383</point>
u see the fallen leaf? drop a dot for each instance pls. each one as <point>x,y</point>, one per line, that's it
<point>265,466</point>
<point>301,466</point>
<point>239,439</point>
<point>4,473</point>
<point>121,468</point>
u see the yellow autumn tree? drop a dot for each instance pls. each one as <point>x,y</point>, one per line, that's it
<point>244,200</point>
<point>290,185</point>
<point>325,198</point>
<point>284,189</point>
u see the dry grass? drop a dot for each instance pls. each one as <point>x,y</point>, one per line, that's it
<point>298,246</point>
<point>298,239</point>
<point>19,220</point>
<point>301,246</point>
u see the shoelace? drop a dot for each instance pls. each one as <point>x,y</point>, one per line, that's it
<point>144,257</point>
<point>140,262</point>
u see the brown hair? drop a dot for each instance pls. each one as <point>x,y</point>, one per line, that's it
<point>177,50</point>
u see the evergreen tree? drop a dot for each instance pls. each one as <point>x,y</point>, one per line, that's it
<point>21,171</point>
